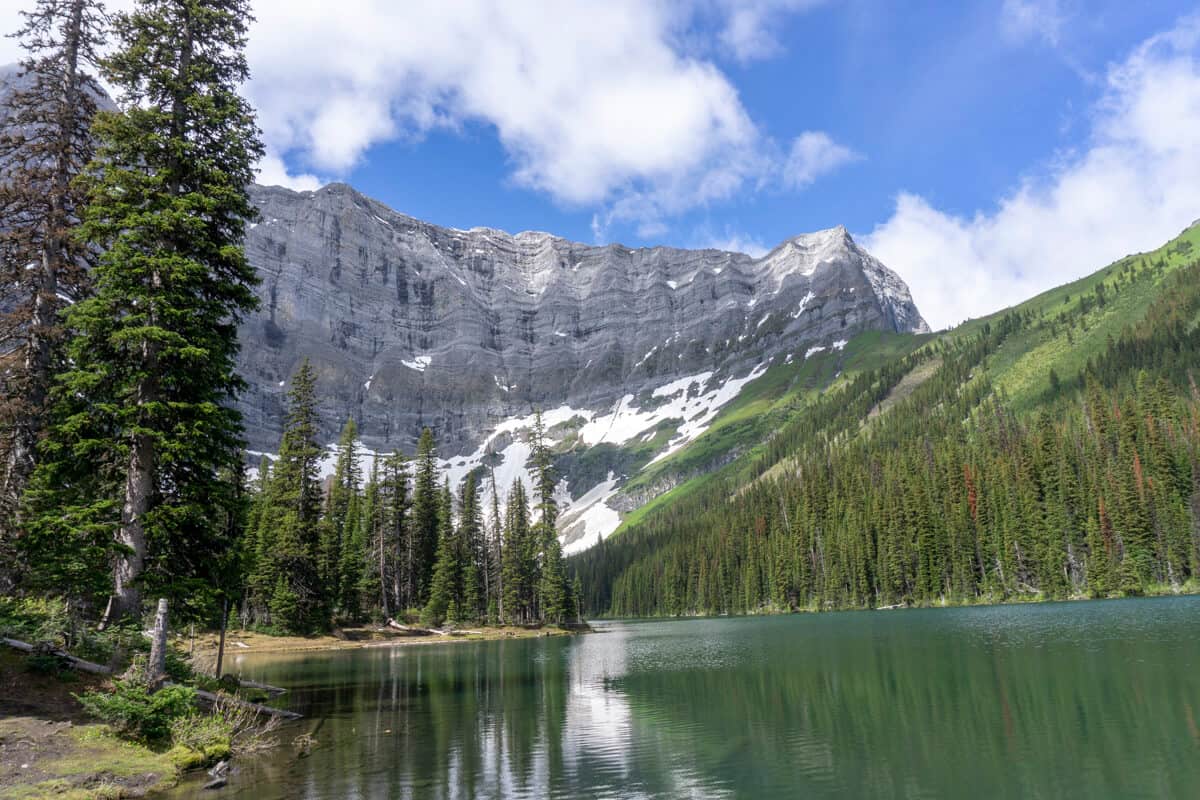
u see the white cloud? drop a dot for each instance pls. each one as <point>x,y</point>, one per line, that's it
<point>748,32</point>
<point>814,154</point>
<point>1022,20</point>
<point>273,172</point>
<point>1134,185</point>
<point>733,242</point>
<point>608,105</point>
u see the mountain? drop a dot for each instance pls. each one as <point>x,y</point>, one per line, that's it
<point>629,353</point>
<point>1050,450</point>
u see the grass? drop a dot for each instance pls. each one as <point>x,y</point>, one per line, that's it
<point>87,761</point>
<point>49,748</point>
<point>1021,367</point>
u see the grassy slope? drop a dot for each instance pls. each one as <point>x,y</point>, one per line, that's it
<point>762,406</point>
<point>1020,369</point>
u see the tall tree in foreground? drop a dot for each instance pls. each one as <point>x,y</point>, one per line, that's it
<point>148,397</point>
<point>46,141</point>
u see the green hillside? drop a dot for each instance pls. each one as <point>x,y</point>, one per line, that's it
<point>1016,391</point>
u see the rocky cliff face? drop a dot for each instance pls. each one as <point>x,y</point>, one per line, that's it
<point>630,353</point>
<point>409,324</point>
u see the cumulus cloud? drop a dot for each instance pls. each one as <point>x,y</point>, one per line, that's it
<point>604,105</point>
<point>1134,185</point>
<point>814,154</point>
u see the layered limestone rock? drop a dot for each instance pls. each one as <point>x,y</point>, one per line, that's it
<point>409,324</point>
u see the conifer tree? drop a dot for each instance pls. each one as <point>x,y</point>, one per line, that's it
<point>374,583</point>
<point>553,591</point>
<point>146,404</point>
<point>519,567</point>
<point>45,142</point>
<point>286,580</point>
<point>445,589</point>
<point>399,541</point>
<point>474,552</point>
<point>424,517</point>
<point>495,559</point>
<point>341,534</point>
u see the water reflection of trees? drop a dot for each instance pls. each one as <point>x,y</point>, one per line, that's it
<point>929,704</point>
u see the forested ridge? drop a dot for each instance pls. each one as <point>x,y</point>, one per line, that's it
<point>1086,484</point>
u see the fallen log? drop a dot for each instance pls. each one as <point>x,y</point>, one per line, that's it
<point>398,626</point>
<point>97,669</point>
<point>209,697</point>
<point>72,661</point>
<point>266,687</point>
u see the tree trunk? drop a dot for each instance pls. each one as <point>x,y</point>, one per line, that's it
<point>126,598</point>
<point>156,671</point>
<point>224,625</point>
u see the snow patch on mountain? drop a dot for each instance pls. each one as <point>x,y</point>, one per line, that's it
<point>420,363</point>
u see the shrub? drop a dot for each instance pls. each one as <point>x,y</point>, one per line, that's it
<point>250,729</point>
<point>136,712</point>
<point>201,732</point>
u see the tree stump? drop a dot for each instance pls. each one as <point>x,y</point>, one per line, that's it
<point>156,670</point>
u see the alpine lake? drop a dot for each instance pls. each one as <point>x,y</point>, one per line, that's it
<point>1097,699</point>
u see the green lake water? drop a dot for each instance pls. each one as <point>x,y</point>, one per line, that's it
<point>1065,700</point>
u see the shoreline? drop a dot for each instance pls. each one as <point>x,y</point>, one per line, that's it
<point>244,642</point>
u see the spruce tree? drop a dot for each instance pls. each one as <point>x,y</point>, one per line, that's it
<point>519,567</point>
<point>147,403</point>
<point>398,540</point>
<point>445,589</point>
<point>553,591</point>
<point>286,580</point>
<point>424,517</point>
<point>342,546</point>
<point>373,584</point>
<point>495,558</point>
<point>44,143</point>
<point>474,549</point>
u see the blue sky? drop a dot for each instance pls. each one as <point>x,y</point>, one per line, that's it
<point>936,98</point>
<point>984,150</point>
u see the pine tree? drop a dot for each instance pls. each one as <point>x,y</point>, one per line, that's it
<point>518,569</point>
<point>286,581</point>
<point>495,600</point>
<point>445,589</point>
<point>374,569</point>
<point>424,517</point>
<point>553,591</point>
<point>146,403</point>
<point>342,546</point>
<point>45,143</point>
<point>474,552</point>
<point>400,551</point>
